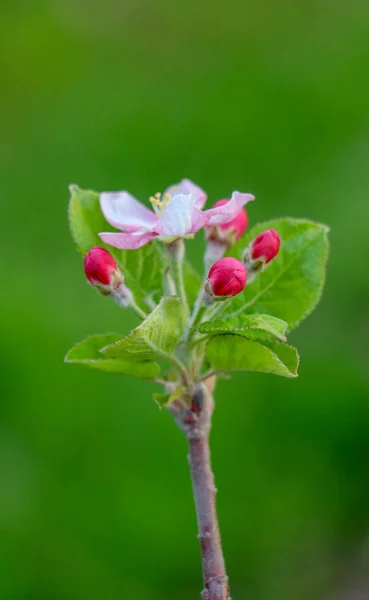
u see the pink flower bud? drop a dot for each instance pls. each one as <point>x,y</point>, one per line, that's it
<point>231,231</point>
<point>266,245</point>
<point>103,273</point>
<point>227,277</point>
<point>99,266</point>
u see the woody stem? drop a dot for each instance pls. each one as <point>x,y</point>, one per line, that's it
<point>196,427</point>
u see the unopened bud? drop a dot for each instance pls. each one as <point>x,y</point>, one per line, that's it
<point>266,245</point>
<point>260,252</point>
<point>103,273</point>
<point>226,278</point>
<point>100,266</point>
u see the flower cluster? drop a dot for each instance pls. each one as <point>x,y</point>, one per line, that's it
<point>178,213</point>
<point>184,341</point>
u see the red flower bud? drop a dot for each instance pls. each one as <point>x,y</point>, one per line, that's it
<point>229,232</point>
<point>227,277</point>
<point>266,245</point>
<point>99,266</point>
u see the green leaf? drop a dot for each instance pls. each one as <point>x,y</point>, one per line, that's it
<point>286,353</point>
<point>164,400</point>
<point>142,268</point>
<point>86,221</point>
<point>157,336</point>
<point>231,352</point>
<point>88,353</point>
<point>292,283</point>
<point>192,281</point>
<point>254,326</point>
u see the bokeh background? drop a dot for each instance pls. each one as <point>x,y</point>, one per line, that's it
<point>268,97</point>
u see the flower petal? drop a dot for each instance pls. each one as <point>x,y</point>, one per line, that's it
<point>176,218</point>
<point>124,212</point>
<point>127,241</point>
<point>222,214</point>
<point>188,187</point>
<point>199,219</point>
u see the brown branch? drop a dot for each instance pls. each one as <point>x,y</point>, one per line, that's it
<point>196,425</point>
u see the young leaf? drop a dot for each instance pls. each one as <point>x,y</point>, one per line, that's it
<point>292,283</point>
<point>286,353</point>
<point>231,352</point>
<point>164,400</point>
<point>157,336</point>
<point>86,221</point>
<point>88,353</point>
<point>255,325</point>
<point>142,268</point>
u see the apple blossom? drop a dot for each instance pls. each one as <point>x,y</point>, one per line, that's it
<point>176,214</point>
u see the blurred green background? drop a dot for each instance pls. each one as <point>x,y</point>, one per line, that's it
<point>266,97</point>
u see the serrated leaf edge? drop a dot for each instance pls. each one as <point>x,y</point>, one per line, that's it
<point>136,329</point>
<point>89,337</point>
<point>95,361</point>
<point>281,337</point>
<point>290,375</point>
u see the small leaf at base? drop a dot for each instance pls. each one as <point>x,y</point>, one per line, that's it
<point>164,400</point>
<point>88,353</point>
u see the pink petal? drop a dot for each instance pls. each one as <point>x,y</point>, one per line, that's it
<point>222,214</point>
<point>127,241</point>
<point>176,218</point>
<point>124,212</point>
<point>188,187</point>
<point>199,219</point>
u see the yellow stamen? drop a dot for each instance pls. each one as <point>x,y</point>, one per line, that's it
<point>159,203</point>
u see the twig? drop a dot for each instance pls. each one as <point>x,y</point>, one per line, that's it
<point>196,427</point>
